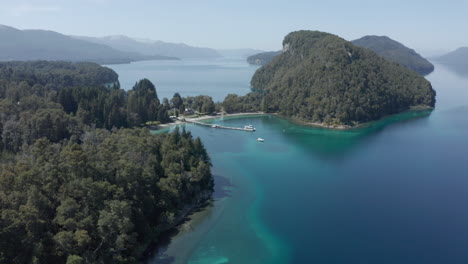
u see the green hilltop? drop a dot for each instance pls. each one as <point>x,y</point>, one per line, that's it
<point>321,78</point>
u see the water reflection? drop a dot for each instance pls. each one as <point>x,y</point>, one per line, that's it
<point>459,70</point>
<point>328,144</point>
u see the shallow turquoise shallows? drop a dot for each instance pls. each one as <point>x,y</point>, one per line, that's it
<point>394,192</point>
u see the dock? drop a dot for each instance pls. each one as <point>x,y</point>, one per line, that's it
<point>218,126</point>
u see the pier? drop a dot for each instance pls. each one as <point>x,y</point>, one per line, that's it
<point>218,126</point>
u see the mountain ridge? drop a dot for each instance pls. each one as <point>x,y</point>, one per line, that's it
<point>457,57</point>
<point>152,47</point>
<point>36,44</point>
<point>395,51</point>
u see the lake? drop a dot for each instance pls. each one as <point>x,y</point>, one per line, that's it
<point>216,78</point>
<point>395,191</point>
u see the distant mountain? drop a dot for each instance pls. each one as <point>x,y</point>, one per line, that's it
<point>262,58</point>
<point>238,53</point>
<point>152,47</point>
<point>23,45</point>
<point>396,52</point>
<point>457,57</point>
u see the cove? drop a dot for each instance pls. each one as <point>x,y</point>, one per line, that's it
<point>395,191</point>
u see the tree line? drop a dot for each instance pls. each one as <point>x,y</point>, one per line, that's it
<point>79,182</point>
<point>58,99</point>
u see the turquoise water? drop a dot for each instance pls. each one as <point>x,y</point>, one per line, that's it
<point>216,78</point>
<point>395,191</point>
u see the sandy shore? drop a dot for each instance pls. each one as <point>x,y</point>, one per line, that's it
<point>295,120</point>
<point>207,117</point>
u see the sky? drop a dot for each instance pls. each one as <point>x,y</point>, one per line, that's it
<point>429,26</point>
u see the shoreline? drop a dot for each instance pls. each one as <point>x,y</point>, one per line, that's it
<point>207,117</point>
<point>413,109</point>
<point>184,222</point>
<point>294,120</point>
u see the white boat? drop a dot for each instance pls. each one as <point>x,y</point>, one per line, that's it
<point>260,139</point>
<point>214,126</point>
<point>249,127</point>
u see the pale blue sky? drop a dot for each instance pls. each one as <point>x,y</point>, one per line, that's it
<point>426,26</point>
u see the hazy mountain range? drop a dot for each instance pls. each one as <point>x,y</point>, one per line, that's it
<point>152,47</point>
<point>24,45</point>
<point>36,44</point>
<point>456,57</point>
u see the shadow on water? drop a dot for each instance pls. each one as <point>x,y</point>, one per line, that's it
<point>222,188</point>
<point>157,252</point>
<point>337,144</point>
<point>324,143</point>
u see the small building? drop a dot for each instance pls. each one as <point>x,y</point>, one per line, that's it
<point>189,111</point>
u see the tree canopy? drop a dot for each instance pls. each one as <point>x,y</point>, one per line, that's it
<point>396,52</point>
<point>78,184</point>
<point>323,78</point>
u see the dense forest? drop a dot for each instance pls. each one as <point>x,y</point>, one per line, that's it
<point>78,184</point>
<point>324,79</point>
<point>252,102</point>
<point>396,52</point>
<point>58,99</point>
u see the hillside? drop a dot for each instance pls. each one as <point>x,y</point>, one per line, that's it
<point>152,47</point>
<point>62,74</point>
<point>457,57</point>
<point>324,79</point>
<point>396,52</point>
<point>79,181</point>
<point>24,45</point>
<point>262,58</point>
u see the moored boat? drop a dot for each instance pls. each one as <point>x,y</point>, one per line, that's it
<point>249,127</point>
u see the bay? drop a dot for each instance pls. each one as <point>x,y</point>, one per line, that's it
<point>216,77</point>
<point>395,191</point>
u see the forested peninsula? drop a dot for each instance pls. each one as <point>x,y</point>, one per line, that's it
<point>323,79</point>
<point>80,180</point>
<point>262,58</point>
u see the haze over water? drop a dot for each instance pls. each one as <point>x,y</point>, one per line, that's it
<point>393,192</point>
<point>216,78</point>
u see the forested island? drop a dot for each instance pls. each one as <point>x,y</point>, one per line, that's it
<point>323,79</point>
<point>396,52</point>
<point>80,180</point>
<point>262,58</point>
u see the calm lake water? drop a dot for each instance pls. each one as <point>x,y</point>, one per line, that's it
<point>216,78</point>
<point>393,192</point>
